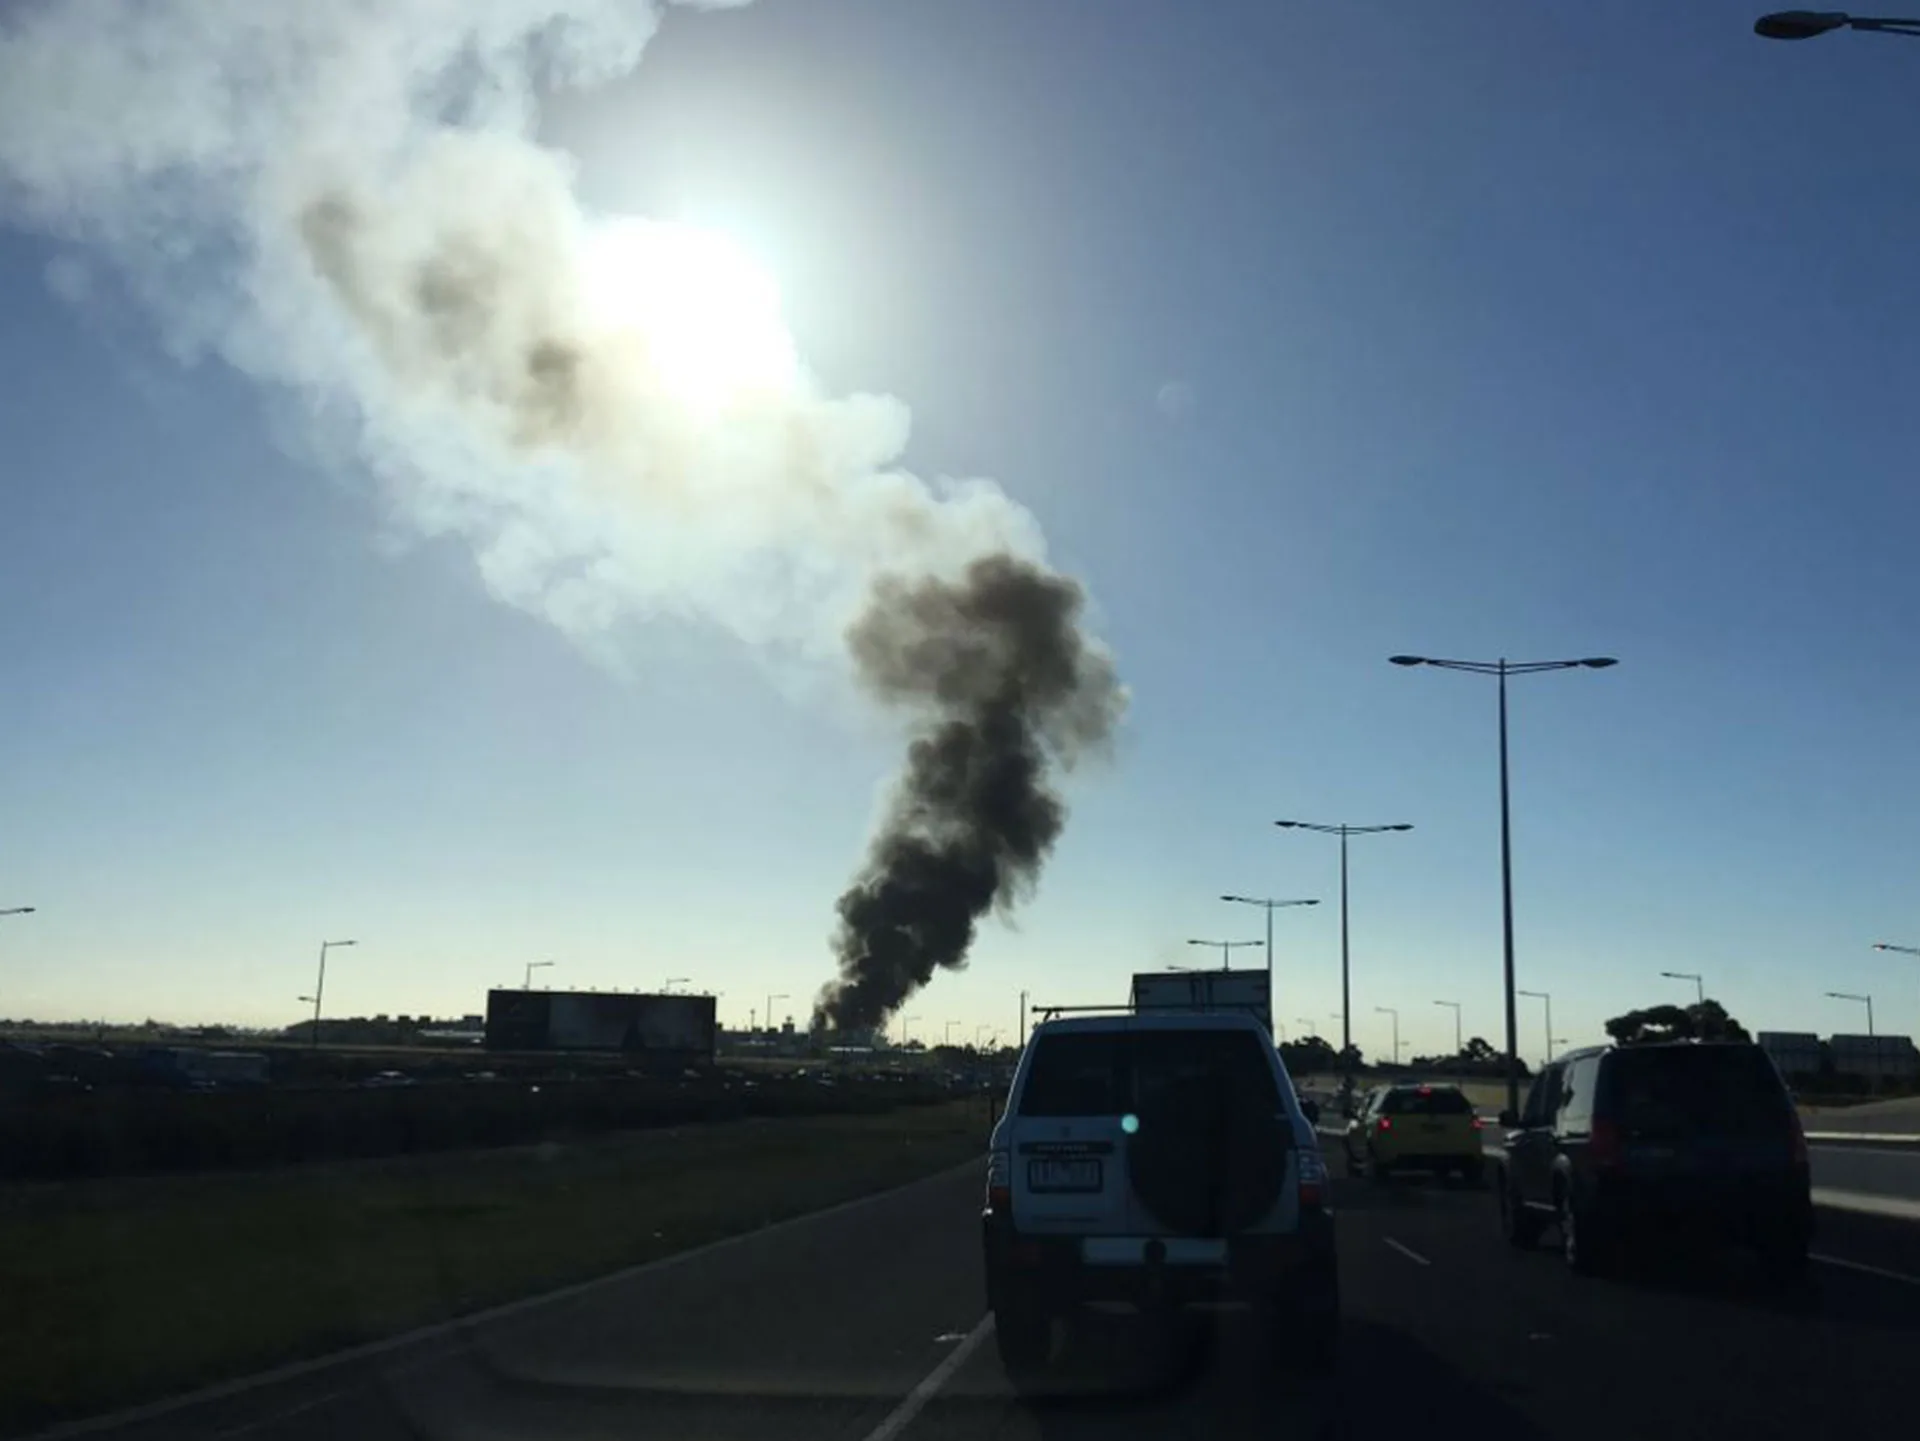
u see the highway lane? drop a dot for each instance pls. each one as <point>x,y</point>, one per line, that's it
<point>817,1332</point>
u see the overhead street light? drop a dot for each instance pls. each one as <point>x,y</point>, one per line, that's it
<point>1503,668</point>
<point>666,986</point>
<point>775,996</point>
<point>1547,998</point>
<point>1864,1000</point>
<point>1454,1006</point>
<point>1227,948</point>
<point>1269,906</point>
<point>1807,24</point>
<point>526,983</point>
<point>906,1023</point>
<point>320,986</point>
<point>1699,985</point>
<point>1346,996</point>
<point>1393,1011</point>
<point>18,911</point>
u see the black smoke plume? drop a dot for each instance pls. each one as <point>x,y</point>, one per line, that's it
<point>1005,686</point>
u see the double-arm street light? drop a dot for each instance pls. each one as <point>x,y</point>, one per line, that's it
<point>1227,948</point>
<point>1863,1000</point>
<point>1454,1006</point>
<point>1699,985</point>
<point>1346,969</point>
<point>1806,24</point>
<point>1269,906</point>
<point>320,985</point>
<point>1546,997</point>
<point>1503,668</point>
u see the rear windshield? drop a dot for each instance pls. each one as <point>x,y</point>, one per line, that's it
<point>1437,1101</point>
<point>1695,1090</point>
<point>1110,1073</point>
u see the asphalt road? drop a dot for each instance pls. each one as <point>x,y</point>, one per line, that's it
<point>822,1329</point>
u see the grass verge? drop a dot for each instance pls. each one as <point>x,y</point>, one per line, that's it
<point>122,1290</point>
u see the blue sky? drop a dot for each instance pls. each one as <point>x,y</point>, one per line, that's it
<point>1554,332</point>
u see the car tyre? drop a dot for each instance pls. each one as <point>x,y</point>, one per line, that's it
<point>1023,1335</point>
<point>1583,1238</point>
<point>1518,1224</point>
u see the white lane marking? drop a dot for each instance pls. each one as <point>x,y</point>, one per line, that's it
<point>1900,1208</point>
<point>452,1328</point>
<point>1903,1138</point>
<point>900,1417</point>
<point>1407,1251</point>
<point>1906,1153</point>
<point>278,1416</point>
<point>1862,1266</point>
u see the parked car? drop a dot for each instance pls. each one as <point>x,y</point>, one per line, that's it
<point>1684,1141</point>
<point>1162,1160</point>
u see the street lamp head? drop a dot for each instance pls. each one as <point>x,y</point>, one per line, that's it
<point>1406,660</point>
<point>1599,662</point>
<point>1288,825</point>
<point>1401,827</point>
<point>1314,902</point>
<point>1798,24</point>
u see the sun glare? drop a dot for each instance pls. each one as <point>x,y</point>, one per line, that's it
<point>706,314</point>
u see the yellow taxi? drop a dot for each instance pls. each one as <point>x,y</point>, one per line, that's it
<point>1414,1127</point>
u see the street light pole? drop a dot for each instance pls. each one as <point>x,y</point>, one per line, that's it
<point>775,996</point>
<point>1865,1000</point>
<point>527,983</point>
<point>1503,668</point>
<point>1226,950</point>
<point>1393,1011</point>
<point>1346,969</point>
<point>1454,1006</point>
<point>1545,997</point>
<point>1268,906</point>
<point>1699,985</point>
<point>320,986</point>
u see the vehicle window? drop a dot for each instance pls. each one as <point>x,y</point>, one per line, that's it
<point>1077,1074</point>
<point>1173,1068</point>
<point>1426,1101</point>
<point>1544,1099</point>
<point>1576,1100</point>
<point>1676,1091</point>
<point>1107,1073</point>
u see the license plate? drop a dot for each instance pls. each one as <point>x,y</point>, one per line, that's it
<point>1063,1175</point>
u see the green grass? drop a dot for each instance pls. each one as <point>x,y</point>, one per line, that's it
<point>122,1290</point>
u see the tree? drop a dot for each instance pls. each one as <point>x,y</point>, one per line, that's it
<point>1703,1021</point>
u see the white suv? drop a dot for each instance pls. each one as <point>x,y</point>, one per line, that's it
<point>1161,1159</point>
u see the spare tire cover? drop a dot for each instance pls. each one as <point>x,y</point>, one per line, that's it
<point>1205,1162</point>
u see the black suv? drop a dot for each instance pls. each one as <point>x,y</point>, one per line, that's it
<point>1689,1140</point>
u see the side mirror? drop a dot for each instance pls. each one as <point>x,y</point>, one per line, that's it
<point>1510,1120</point>
<point>1311,1110</point>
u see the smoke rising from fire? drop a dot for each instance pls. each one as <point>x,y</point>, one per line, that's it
<point>347,202</point>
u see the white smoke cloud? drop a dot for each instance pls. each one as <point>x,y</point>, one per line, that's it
<point>345,201</point>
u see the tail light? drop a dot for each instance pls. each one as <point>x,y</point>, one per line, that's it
<point>1385,1124</point>
<point>1478,1124</point>
<point>1606,1145</point>
<point>1313,1179</point>
<point>999,1181</point>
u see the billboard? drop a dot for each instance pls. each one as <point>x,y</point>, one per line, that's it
<point>678,1029</point>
